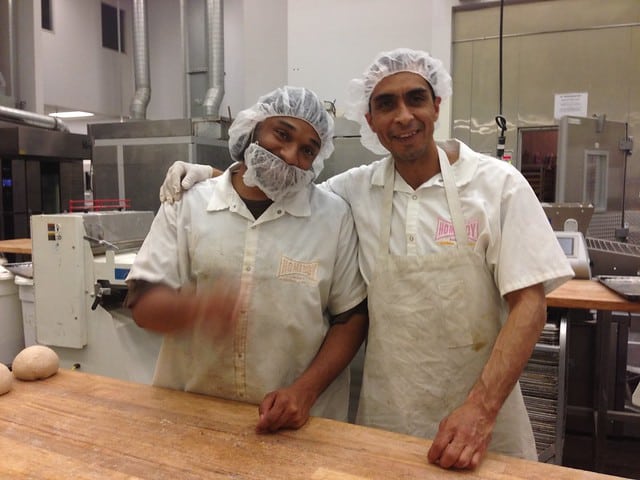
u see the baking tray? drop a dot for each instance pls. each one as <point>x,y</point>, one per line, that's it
<point>627,286</point>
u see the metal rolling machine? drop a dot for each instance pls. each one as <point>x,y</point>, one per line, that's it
<point>80,263</point>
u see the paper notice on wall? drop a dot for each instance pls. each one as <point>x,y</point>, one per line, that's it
<point>570,104</point>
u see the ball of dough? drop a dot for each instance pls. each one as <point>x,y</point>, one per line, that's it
<point>6,379</point>
<point>35,363</point>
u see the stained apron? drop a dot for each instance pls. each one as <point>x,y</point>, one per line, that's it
<point>433,322</point>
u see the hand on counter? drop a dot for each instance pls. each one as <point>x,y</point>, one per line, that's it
<point>285,408</point>
<point>463,438</point>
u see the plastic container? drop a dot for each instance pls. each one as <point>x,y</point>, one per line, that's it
<point>11,329</point>
<point>27,298</point>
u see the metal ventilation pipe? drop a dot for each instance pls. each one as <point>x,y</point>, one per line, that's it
<point>13,71</point>
<point>138,107</point>
<point>215,58</point>
<point>32,119</point>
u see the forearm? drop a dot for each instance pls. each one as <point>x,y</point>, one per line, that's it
<point>164,310</point>
<point>512,349</point>
<point>338,349</point>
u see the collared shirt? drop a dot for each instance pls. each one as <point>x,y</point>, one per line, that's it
<point>296,264</point>
<point>504,219</point>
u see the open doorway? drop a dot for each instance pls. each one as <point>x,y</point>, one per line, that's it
<point>538,154</point>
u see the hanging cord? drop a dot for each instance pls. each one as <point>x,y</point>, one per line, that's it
<point>622,233</point>
<point>500,120</point>
<point>502,125</point>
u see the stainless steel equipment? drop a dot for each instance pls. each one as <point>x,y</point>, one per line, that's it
<point>41,170</point>
<point>349,151</point>
<point>23,269</point>
<point>609,257</point>
<point>569,216</point>
<point>543,384</point>
<point>130,159</point>
<point>575,248</point>
<point>570,221</point>
<point>591,169</point>
<point>80,262</point>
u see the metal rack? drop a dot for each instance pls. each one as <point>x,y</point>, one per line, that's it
<point>543,384</point>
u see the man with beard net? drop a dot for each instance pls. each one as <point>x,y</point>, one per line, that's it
<point>252,276</point>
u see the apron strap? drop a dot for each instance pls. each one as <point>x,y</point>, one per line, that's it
<point>387,208</point>
<point>453,199</point>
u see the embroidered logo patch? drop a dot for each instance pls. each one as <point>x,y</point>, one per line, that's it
<point>446,233</point>
<point>296,271</point>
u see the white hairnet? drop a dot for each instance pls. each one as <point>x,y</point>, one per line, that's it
<point>385,64</point>
<point>287,101</point>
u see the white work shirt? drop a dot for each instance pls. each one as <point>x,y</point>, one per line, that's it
<point>297,263</point>
<point>503,217</point>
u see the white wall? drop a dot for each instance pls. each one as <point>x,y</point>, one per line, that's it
<point>30,73</point>
<point>77,71</point>
<point>166,64</point>
<point>333,41</point>
<point>265,48</point>
<point>268,43</point>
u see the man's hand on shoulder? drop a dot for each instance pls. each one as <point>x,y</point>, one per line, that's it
<point>182,176</point>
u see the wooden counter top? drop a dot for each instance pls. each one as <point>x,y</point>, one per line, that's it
<point>589,294</point>
<point>16,245</point>
<point>80,426</point>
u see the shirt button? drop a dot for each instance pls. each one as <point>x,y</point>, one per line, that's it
<point>415,197</point>
<point>279,212</point>
<point>248,268</point>
<point>411,238</point>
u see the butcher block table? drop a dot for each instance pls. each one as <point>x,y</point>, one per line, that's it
<point>80,426</point>
<point>592,295</point>
<point>16,245</point>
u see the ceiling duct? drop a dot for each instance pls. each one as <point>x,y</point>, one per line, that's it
<point>11,34</point>
<point>215,58</point>
<point>138,108</point>
<point>33,119</point>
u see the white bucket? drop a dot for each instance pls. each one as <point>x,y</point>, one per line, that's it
<point>11,329</point>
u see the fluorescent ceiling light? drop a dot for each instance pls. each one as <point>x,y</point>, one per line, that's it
<point>71,114</point>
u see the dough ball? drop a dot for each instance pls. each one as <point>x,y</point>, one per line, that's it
<point>6,379</point>
<point>35,363</point>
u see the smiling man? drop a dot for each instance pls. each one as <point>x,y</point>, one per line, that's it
<point>457,255</point>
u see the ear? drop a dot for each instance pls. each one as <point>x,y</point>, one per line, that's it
<point>436,106</point>
<point>370,121</point>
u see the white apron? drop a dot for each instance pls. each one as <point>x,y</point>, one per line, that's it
<point>433,322</point>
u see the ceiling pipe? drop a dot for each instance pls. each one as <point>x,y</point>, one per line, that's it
<point>11,33</point>
<point>33,119</point>
<point>215,58</point>
<point>138,107</point>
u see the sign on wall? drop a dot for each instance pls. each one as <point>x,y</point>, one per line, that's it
<point>574,104</point>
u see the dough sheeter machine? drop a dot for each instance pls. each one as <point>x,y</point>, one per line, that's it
<point>80,263</point>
